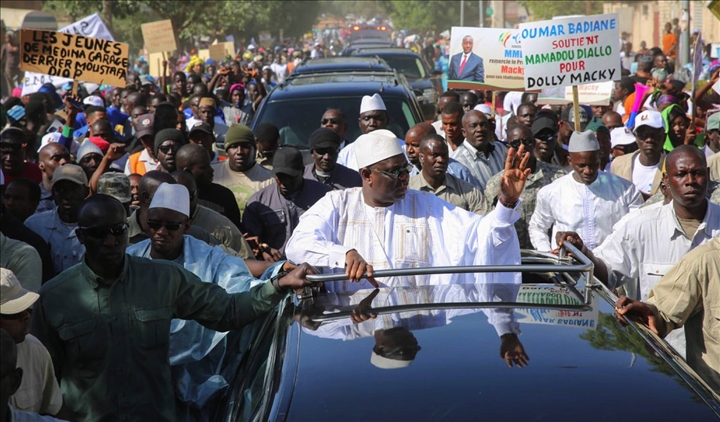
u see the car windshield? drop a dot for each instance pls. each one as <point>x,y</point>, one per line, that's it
<point>410,66</point>
<point>297,126</point>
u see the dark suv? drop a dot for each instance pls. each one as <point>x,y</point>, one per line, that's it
<point>409,64</point>
<point>296,106</point>
<point>341,64</point>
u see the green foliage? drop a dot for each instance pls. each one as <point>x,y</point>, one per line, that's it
<point>422,16</point>
<point>547,9</point>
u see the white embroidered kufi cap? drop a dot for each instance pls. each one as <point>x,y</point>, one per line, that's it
<point>372,103</point>
<point>173,197</point>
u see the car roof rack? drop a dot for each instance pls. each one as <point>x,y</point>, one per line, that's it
<point>537,262</point>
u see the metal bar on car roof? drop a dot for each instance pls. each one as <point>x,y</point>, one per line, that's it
<point>452,305</point>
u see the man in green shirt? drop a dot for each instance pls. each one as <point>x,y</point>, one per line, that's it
<point>106,320</point>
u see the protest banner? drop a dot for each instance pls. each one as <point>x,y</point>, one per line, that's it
<point>494,59</point>
<point>217,52</point>
<point>90,26</point>
<point>155,65</point>
<point>75,57</point>
<point>159,36</point>
<point>588,94</point>
<point>570,51</point>
<point>204,54</point>
<point>553,295</point>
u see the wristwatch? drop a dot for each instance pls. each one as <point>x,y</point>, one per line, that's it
<point>275,280</point>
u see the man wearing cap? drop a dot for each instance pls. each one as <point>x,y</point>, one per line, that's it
<point>712,135</point>
<point>641,251</point>
<point>586,201</point>
<point>479,153</point>
<point>119,309</point>
<point>240,173</point>
<point>57,226</point>
<point>622,141</point>
<point>196,353</point>
<point>143,161</point>
<point>202,134</point>
<point>13,154</point>
<point>643,167</point>
<point>89,158</point>
<point>116,185</point>
<point>324,147</point>
<point>541,175</point>
<point>39,391</point>
<point>434,177</point>
<point>545,130</point>
<point>385,225</point>
<point>373,116</point>
<point>50,157</point>
<point>167,144</point>
<point>273,213</point>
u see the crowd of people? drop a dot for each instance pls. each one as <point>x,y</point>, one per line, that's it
<point>103,186</point>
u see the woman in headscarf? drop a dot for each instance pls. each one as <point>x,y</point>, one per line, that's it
<point>677,124</point>
<point>241,110</point>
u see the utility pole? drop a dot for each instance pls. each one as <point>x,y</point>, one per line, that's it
<point>462,12</point>
<point>683,52</point>
<point>481,9</point>
<point>588,7</point>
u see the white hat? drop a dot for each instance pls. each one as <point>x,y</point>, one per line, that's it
<point>386,363</point>
<point>583,142</point>
<point>14,298</point>
<point>173,197</point>
<point>49,137</point>
<point>372,103</point>
<point>621,136</point>
<point>86,148</point>
<point>251,47</point>
<point>650,118</point>
<point>484,108</point>
<point>94,100</point>
<point>374,147</point>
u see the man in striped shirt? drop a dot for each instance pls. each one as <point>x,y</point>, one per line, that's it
<point>483,157</point>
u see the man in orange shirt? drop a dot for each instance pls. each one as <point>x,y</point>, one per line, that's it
<point>669,41</point>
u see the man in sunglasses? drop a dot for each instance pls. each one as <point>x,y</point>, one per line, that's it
<point>274,211</point>
<point>38,391</point>
<point>50,157</point>
<point>267,138</point>
<point>57,226</point>
<point>335,119</point>
<point>545,131</point>
<point>106,322</point>
<point>643,167</point>
<point>384,225</point>
<point>167,144</point>
<point>541,174</point>
<point>586,201</point>
<point>324,147</point>
<point>13,152</point>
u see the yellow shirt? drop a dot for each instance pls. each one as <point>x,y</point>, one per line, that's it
<point>689,295</point>
<point>242,184</point>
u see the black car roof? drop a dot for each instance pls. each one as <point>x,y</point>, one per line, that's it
<point>371,41</point>
<point>341,64</point>
<point>326,84</point>
<point>363,52</point>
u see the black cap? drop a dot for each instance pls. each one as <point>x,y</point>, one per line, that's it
<point>288,160</point>
<point>267,132</point>
<point>544,123</point>
<point>168,135</point>
<point>201,127</point>
<point>324,138</point>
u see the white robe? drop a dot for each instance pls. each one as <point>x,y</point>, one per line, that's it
<point>421,230</point>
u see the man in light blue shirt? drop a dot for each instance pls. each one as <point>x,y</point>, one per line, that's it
<point>202,359</point>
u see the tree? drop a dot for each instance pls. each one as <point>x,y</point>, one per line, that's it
<point>108,9</point>
<point>424,16</point>
<point>547,9</point>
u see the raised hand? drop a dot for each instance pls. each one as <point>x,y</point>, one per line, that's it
<point>516,173</point>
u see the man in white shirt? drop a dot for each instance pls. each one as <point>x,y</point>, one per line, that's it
<point>384,225</point>
<point>373,116</point>
<point>586,201</point>
<point>639,253</point>
<point>643,167</point>
<point>207,111</point>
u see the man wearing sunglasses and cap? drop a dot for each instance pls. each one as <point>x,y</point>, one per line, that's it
<point>106,322</point>
<point>38,391</point>
<point>587,200</point>
<point>324,147</point>
<point>273,212</point>
<point>384,225</point>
